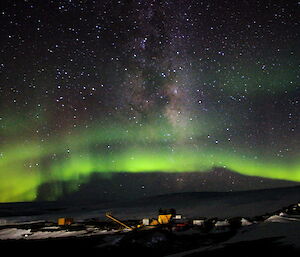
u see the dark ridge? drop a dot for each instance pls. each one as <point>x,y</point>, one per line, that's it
<point>125,186</point>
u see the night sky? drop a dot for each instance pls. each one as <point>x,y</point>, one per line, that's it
<point>146,86</point>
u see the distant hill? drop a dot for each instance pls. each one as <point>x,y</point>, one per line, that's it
<point>122,186</point>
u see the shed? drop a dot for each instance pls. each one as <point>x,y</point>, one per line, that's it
<point>65,221</point>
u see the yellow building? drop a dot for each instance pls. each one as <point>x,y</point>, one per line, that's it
<point>65,221</point>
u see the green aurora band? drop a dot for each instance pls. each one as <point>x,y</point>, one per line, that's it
<point>73,158</point>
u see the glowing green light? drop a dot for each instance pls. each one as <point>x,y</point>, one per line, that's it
<point>25,167</point>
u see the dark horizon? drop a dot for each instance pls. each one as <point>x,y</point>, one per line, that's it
<point>128,186</point>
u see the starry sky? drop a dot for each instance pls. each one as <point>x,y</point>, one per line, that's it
<point>102,87</point>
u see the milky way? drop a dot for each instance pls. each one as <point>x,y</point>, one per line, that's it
<point>146,86</point>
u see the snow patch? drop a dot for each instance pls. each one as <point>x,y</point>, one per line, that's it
<point>245,222</point>
<point>222,223</point>
<point>14,233</point>
<point>55,234</point>
<point>281,219</point>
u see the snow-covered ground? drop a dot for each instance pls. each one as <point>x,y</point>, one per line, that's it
<point>13,233</point>
<point>287,233</point>
<point>29,234</point>
<point>282,232</point>
<point>282,225</point>
<point>215,232</point>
